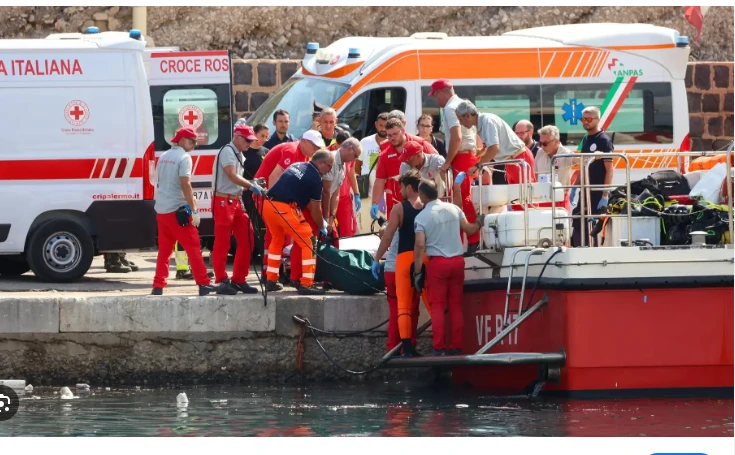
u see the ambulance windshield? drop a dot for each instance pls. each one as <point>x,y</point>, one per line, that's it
<point>297,97</point>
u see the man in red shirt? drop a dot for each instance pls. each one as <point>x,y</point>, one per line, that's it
<point>277,160</point>
<point>387,170</point>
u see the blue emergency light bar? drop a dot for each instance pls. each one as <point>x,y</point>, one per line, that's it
<point>311,48</point>
<point>135,33</point>
<point>92,30</point>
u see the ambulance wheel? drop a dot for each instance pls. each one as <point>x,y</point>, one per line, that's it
<point>60,251</point>
<point>13,265</point>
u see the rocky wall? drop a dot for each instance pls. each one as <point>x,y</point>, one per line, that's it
<point>282,32</point>
<point>710,98</point>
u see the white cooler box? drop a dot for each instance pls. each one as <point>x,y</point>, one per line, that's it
<point>505,229</point>
<point>495,195</point>
<point>644,227</point>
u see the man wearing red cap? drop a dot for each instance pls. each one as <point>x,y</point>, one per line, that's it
<point>230,216</point>
<point>389,163</point>
<point>176,212</point>
<point>461,145</point>
<point>428,165</point>
<point>275,162</point>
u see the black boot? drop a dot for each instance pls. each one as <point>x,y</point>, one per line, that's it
<point>309,290</point>
<point>226,288</point>
<point>157,291</point>
<point>124,261</point>
<point>408,349</point>
<point>245,288</point>
<point>206,290</point>
<point>114,265</point>
<point>273,286</point>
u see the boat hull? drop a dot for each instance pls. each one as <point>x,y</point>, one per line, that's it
<point>617,341</point>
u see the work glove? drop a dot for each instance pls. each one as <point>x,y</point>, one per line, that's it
<point>572,194</point>
<point>481,219</point>
<point>374,211</point>
<point>376,269</point>
<point>358,202</point>
<point>256,189</point>
<point>195,218</point>
<point>418,278</point>
<point>603,204</point>
<point>323,231</point>
<point>460,178</point>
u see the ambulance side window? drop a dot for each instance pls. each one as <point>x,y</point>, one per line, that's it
<point>206,109</point>
<point>362,111</point>
<point>644,116</point>
<point>511,103</point>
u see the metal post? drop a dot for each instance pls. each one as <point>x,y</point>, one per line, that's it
<point>140,19</point>
<point>582,200</point>
<point>499,337</point>
<point>510,278</point>
<point>533,252</point>
<point>728,182</point>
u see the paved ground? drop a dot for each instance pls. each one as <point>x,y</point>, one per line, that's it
<point>99,282</point>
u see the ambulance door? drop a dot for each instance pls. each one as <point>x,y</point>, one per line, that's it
<point>192,89</point>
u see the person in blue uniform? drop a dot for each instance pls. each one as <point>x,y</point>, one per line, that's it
<point>601,172</point>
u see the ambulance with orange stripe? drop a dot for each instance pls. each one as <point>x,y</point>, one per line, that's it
<point>633,72</point>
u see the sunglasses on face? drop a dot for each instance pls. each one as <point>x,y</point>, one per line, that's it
<point>424,126</point>
<point>544,144</point>
<point>588,119</point>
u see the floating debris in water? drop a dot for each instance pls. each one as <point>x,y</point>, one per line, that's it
<point>66,393</point>
<point>29,388</point>
<point>463,406</point>
<point>83,386</point>
<point>182,399</point>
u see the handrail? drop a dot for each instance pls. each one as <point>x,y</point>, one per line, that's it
<point>525,173</point>
<point>585,175</point>
<point>728,182</point>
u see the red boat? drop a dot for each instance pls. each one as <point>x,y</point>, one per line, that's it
<point>636,320</point>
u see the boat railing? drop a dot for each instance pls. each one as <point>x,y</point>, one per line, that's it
<point>525,192</point>
<point>584,187</point>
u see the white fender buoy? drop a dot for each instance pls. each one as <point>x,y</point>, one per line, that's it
<point>182,399</point>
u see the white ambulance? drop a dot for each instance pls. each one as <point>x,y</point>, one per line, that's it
<point>192,89</point>
<point>77,156</point>
<point>633,72</point>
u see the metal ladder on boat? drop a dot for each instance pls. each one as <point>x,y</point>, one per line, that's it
<point>533,251</point>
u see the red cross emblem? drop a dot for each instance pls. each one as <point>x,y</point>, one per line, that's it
<point>191,117</point>
<point>76,113</point>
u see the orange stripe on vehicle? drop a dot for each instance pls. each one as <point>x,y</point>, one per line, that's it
<point>482,65</point>
<point>572,64</point>
<point>600,64</point>
<point>558,64</point>
<point>339,72</point>
<point>585,67</point>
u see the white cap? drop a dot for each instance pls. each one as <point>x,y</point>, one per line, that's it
<point>315,138</point>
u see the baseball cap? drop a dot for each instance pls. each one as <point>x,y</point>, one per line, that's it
<point>246,131</point>
<point>410,149</point>
<point>315,138</point>
<point>441,84</point>
<point>182,133</point>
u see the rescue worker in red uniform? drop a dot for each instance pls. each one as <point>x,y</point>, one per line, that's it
<point>229,214</point>
<point>405,313</point>
<point>334,183</point>
<point>348,192</point>
<point>389,164</point>
<point>176,212</point>
<point>461,147</point>
<point>437,237</point>
<point>276,161</point>
<point>298,188</point>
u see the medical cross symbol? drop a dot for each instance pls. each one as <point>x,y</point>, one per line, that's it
<point>572,111</point>
<point>76,113</point>
<point>191,117</point>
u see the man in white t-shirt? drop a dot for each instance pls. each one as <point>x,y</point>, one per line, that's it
<point>501,142</point>
<point>371,149</point>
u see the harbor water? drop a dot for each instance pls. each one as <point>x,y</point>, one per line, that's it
<point>355,409</point>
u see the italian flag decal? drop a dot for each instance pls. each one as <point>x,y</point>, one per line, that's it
<point>614,99</point>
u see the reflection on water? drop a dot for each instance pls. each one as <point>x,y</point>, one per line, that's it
<point>377,409</point>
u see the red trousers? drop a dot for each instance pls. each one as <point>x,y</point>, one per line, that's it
<point>394,338</point>
<point>346,219</point>
<point>513,172</point>
<point>230,218</point>
<point>170,232</point>
<point>445,283</point>
<point>462,162</point>
<point>296,253</point>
